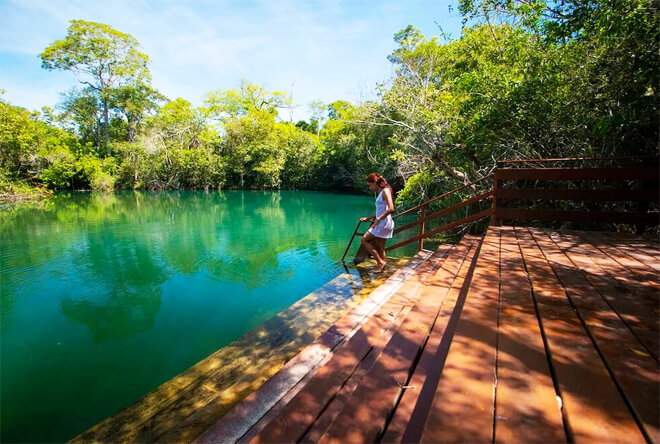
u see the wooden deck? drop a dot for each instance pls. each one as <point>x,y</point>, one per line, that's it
<point>526,335</point>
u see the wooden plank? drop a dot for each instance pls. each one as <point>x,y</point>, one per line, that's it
<point>255,411</point>
<point>364,416</point>
<point>463,404</point>
<point>633,275</point>
<point>447,227</point>
<point>650,259</point>
<point>577,194</point>
<point>417,207</point>
<point>525,214</point>
<point>647,275</point>
<point>526,405</point>
<point>626,173</point>
<point>325,420</point>
<point>634,370</point>
<point>634,302</point>
<point>652,242</point>
<point>593,408</point>
<point>322,425</point>
<point>575,159</point>
<point>444,211</point>
<point>295,418</point>
<point>407,422</point>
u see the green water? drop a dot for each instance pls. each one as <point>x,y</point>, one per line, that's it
<point>107,296</point>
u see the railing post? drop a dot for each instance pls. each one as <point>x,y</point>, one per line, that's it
<point>421,228</point>
<point>496,185</point>
<point>351,241</point>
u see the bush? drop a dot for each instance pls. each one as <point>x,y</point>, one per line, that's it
<point>102,181</point>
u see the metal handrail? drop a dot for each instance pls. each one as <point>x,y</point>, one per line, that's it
<point>423,218</point>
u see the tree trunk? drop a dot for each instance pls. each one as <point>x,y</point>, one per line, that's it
<point>463,177</point>
<point>106,125</point>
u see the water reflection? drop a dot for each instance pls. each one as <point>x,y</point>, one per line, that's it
<point>131,288</point>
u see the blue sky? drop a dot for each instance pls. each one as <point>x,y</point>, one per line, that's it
<point>318,50</point>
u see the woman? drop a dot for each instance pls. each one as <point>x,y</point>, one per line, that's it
<point>382,227</point>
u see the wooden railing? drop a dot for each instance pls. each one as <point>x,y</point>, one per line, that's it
<point>515,200</point>
<point>504,194</point>
<point>423,217</point>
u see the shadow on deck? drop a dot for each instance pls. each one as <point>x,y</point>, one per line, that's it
<point>524,335</point>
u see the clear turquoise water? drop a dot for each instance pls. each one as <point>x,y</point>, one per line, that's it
<point>107,296</point>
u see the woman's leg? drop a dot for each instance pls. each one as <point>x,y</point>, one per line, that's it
<point>369,243</point>
<point>381,247</point>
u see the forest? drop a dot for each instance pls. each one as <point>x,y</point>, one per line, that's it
<point>526,79</point>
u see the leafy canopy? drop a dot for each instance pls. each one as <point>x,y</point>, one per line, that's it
<point>99,56</point>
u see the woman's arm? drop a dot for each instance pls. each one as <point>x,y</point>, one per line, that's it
<point>364,219</point>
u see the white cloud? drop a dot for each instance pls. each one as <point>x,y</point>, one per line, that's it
<point>327,50</point>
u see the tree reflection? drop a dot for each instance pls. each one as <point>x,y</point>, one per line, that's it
<point>120,248</point>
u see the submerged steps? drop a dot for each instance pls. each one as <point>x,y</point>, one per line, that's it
<point>263,404</point>
<point>524,335</point>
<point>188,404</point>
<point>349,398</point>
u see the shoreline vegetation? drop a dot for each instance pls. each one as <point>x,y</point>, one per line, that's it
<point>20,191</point>
<point>524,80</point>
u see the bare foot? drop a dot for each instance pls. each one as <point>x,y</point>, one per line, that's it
<point>381,267</point>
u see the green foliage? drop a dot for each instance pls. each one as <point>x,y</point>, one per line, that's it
<point>134,102</point>
<point>354,146</point>
<point>416,188</point>
<point>239,102</point>
<point>604,55</point>
<point>20,189</point>
<point>82,173</point>
<point>302,155</point>
<point>253,155</point>
<point>527,78</point>
<point>97,53</point>
<point>27,144</point>
<point>115,71</point>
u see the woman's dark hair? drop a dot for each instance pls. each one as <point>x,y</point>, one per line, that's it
<point>380,181</point>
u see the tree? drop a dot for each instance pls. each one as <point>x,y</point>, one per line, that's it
<point>354,146</point>
<point>238,102</point>
<point>318,116</point>
<point>134,102</point>
<point>101,58</point>
<point>81,113</point>
<point>614,74</point>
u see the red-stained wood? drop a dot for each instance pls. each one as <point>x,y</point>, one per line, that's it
<point>631,248</point>
<point>628,264</point>
<point>462,409</point>
<point>593,408</point>
<point>335,408</point>
<point>524,214</point>
<point>426,218</point>
<point>364,415</point>
<point>542,314</point>
<point>526,404</point>
<point>443,195</point>
<point>633,369</point>
<point>626,173</point>
<point>408,419</point>
<point>631,298</point>
<point>447,227</point>
<point>291,423</point>
<point>577,194</point>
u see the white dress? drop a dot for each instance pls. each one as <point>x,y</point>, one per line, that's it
<point>385,227</point>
